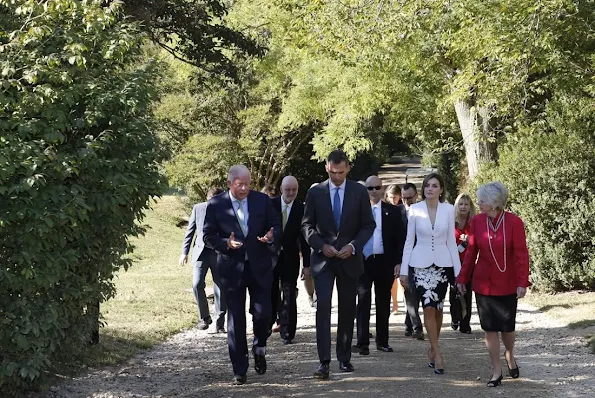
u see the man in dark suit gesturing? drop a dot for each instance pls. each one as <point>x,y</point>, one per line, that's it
<point>242,226</point>
<point>287,269</point>
<point>337,224</point>
<point>382,253</point>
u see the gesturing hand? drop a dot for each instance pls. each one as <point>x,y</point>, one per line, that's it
<point>268,238</point>
<point>345,252</point>
<point>329,251</point>
<point>232,243</point>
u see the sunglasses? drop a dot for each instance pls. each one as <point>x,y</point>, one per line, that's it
<point>374,188</point>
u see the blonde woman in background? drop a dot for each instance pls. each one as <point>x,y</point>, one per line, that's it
<point>464,212</point>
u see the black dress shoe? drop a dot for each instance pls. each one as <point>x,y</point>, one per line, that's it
<point>408,333</point>
<point>360,349</point>
<point>204,323</point>
<point>418,335</point>
<point>260,362</point>
<point>238,380</point>
<point>466,331</point>
<point>345,366</point>
<point>383,348</point>
<point>287,341</point>
<point>454,325</point>
<point>322,372</point>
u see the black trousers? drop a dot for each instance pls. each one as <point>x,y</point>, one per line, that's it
<point>260,308</point>
<point>381,275</point>
<point>456,308</point>
<point>347,291</point>
<point>412,319</point>
<point>284,304</point>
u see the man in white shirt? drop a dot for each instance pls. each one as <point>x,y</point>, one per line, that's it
<point>382,253</point>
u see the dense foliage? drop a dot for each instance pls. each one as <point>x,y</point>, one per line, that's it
<point>551,177</point>
<point>77,168</point>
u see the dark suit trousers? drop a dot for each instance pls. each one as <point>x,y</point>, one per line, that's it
<point>412,320</point>
<point>347,290</point>
<point>260,308</point>
<point>382,276</point>
<point>284,303</point>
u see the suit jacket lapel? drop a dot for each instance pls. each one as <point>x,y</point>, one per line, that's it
<point>327,204</point>
<point>347,203</point>
<point>251,209</point>
<point>384,211</point>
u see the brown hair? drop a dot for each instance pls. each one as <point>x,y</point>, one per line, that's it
<point>440,181</point>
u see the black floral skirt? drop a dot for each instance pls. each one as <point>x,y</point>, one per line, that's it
<point>431,285</point>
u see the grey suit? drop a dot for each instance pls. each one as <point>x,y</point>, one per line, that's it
<point>356,227</point>
<point>203,259</point>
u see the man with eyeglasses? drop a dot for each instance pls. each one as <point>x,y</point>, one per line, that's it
<point>382,254</point>
<point>413,325</point>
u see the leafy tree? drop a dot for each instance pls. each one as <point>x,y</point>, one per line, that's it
<point>193,32</point>
<point>77,167</point>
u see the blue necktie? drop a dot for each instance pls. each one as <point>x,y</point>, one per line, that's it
<point>369,246</point>
<point>337,208</point>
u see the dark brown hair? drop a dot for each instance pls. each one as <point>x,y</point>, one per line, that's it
<point>440,181</point>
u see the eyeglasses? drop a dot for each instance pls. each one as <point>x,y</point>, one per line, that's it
<point>374,188</point>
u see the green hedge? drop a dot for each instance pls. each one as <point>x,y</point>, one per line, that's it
<point>77,167</point>
<point>550,172</point>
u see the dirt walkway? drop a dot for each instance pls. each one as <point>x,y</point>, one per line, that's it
<point>554,363</point>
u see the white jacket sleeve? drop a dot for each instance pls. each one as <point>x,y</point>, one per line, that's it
<point>451,243</point>
<point>409,242</point>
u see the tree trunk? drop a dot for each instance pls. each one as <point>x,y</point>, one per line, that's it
<point>475,124</point>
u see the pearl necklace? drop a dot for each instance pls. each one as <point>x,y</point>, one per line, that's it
<point>490,242</point>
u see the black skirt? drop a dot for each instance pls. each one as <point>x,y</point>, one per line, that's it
<point>497,313</point>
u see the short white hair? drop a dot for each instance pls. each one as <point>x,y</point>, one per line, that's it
<point>494,194</point>
<point>237,170</point>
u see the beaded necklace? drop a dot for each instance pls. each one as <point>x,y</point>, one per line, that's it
<point>490,225</point>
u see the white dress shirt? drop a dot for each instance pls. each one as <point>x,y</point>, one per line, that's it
<point>378,247</point>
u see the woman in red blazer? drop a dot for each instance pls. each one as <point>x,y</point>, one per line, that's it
<point>464,213</point>
<point>498,258</point>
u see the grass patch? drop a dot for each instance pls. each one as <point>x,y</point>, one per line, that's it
<point>574,309</point>
<point>154,298</point>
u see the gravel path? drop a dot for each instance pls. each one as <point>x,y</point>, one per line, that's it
<point>553,359</point>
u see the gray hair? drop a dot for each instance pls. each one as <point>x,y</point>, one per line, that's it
<point>494,194</point>
<point>237,170</point>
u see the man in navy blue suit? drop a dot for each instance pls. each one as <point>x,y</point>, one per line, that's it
<point>242,226</point>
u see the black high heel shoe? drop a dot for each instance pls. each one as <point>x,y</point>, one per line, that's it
<point>437,370</point>
<point>514,373</point>
<point>495,383</point>
<point>431,363</point>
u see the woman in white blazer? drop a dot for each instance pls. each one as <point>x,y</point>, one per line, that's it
<point>431,259</point>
